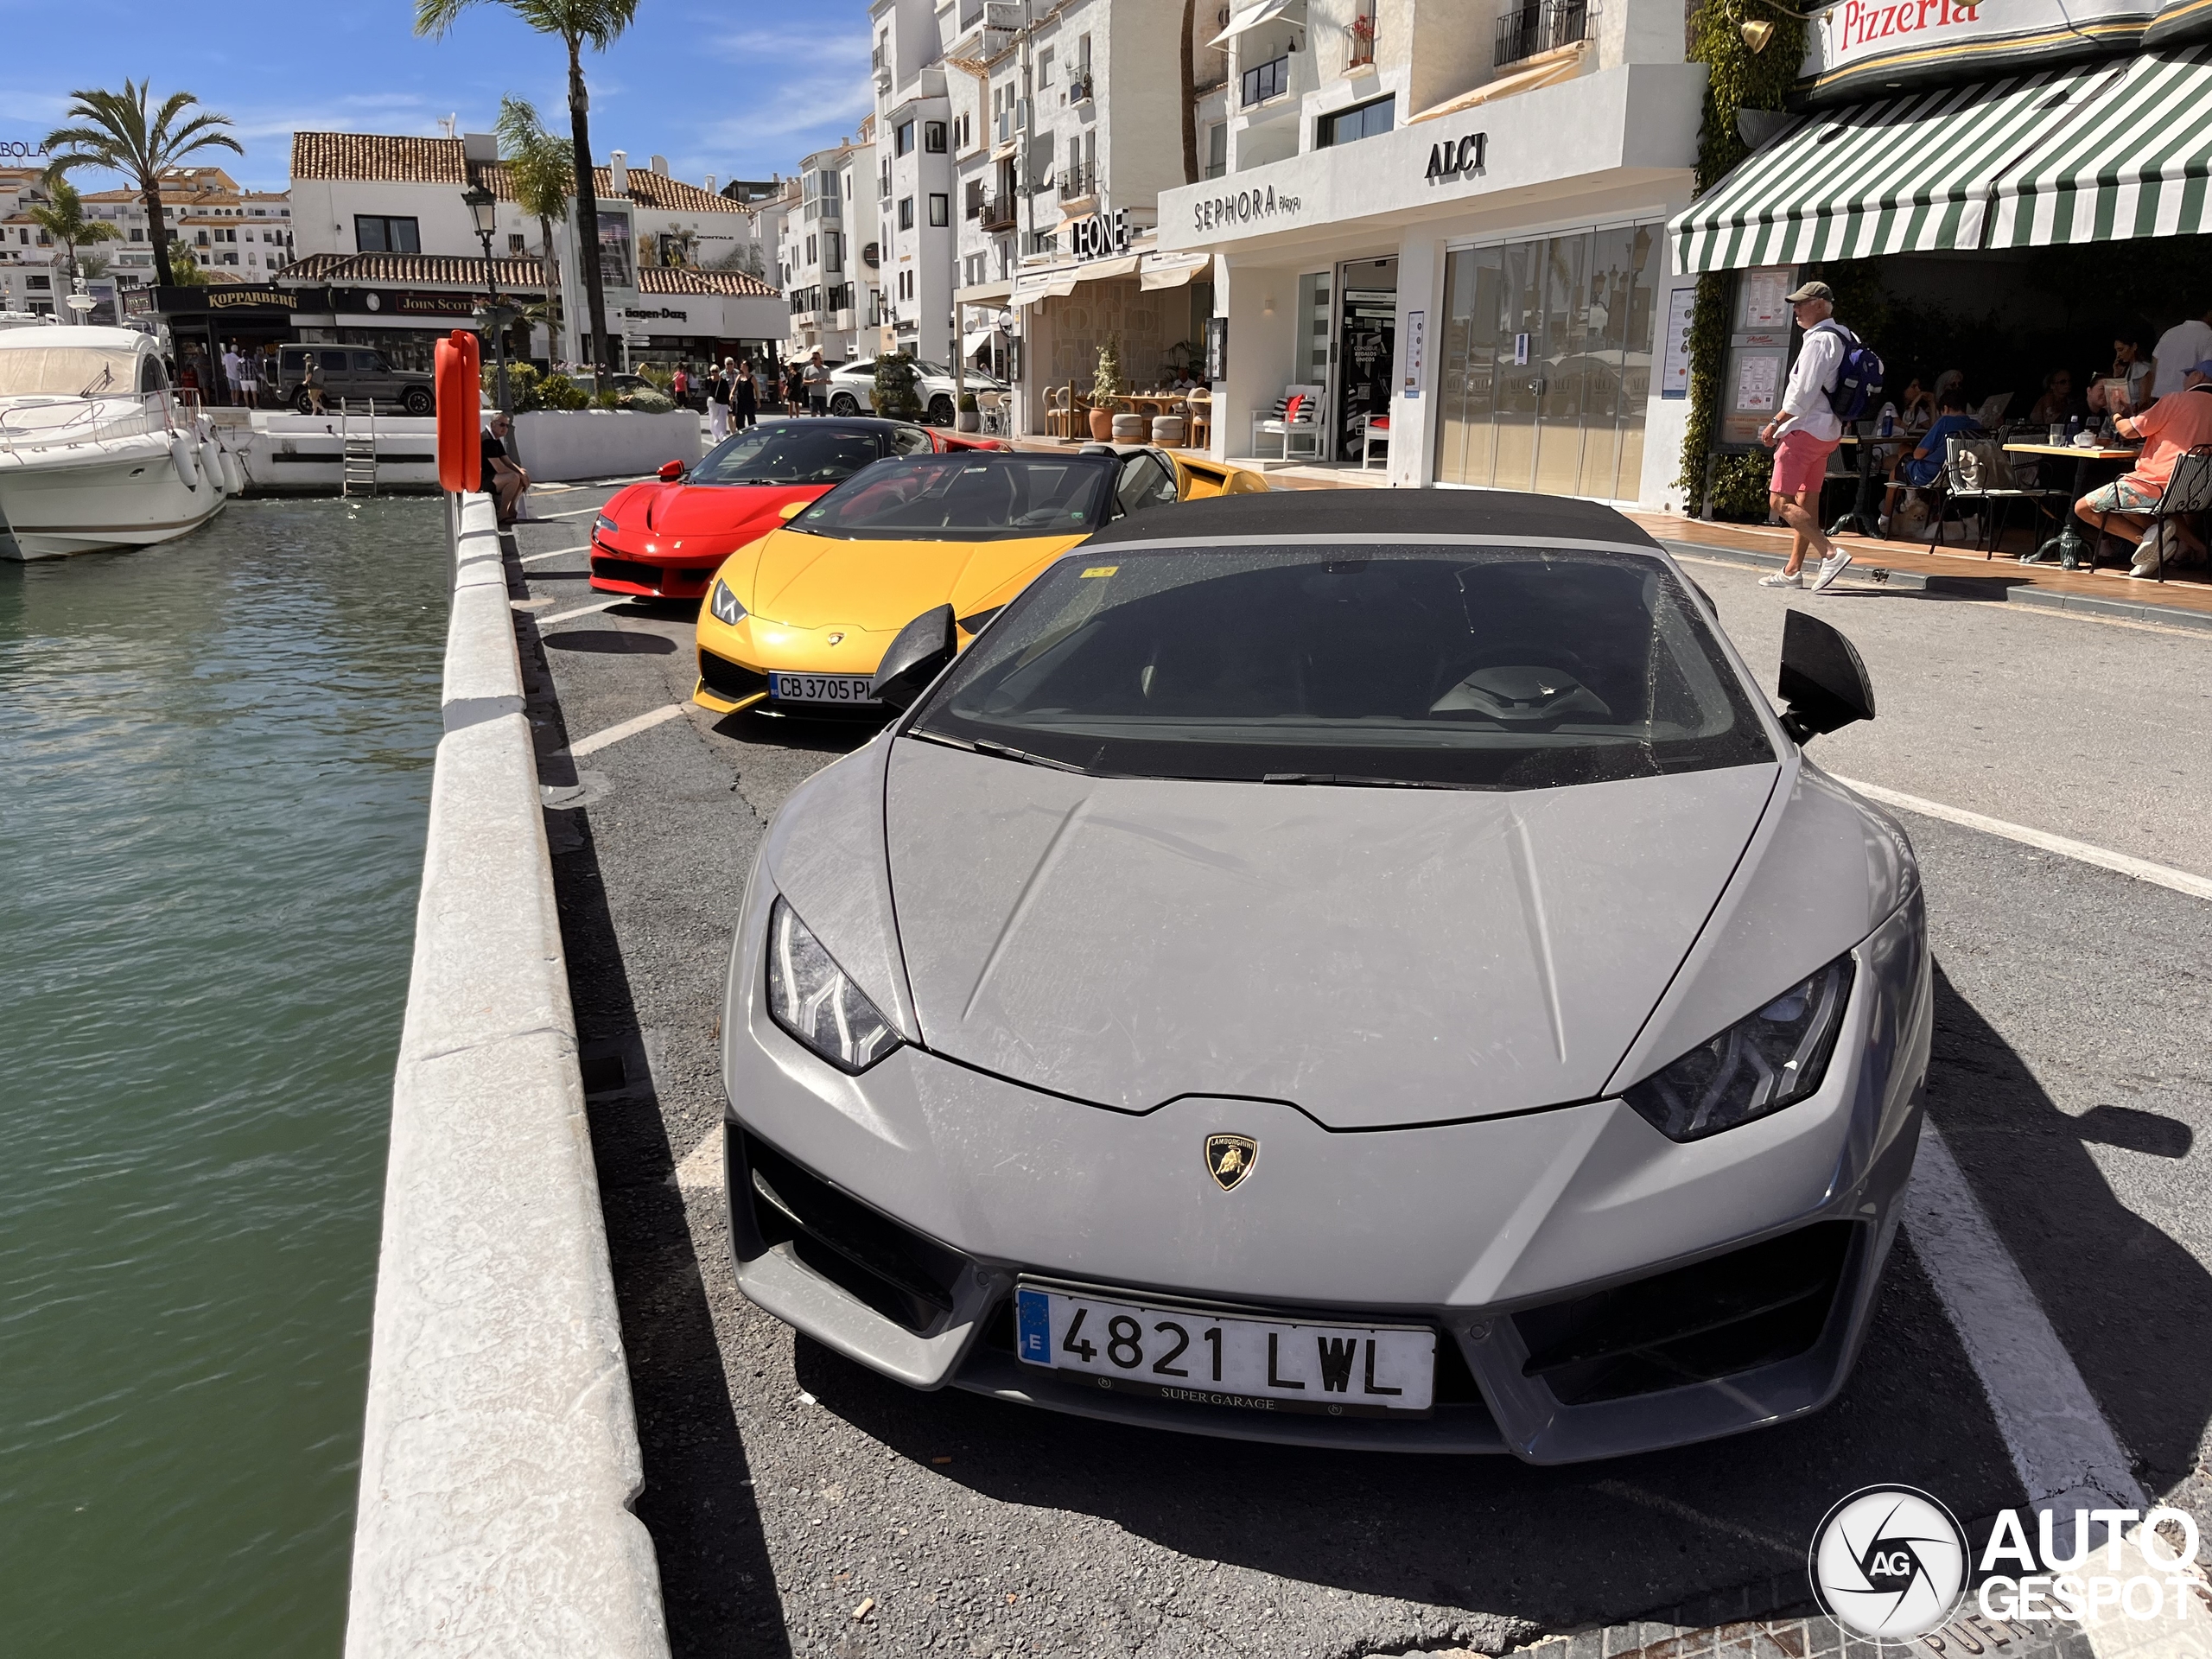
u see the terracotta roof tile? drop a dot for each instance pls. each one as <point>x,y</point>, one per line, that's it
<point>438,161</point>
<point>656,279</point>
<point>440,268</point>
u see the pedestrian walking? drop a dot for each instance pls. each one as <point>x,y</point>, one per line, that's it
<point>718,396</point>
<point>794,389</point>
<point>679,385</point>
<point>745,408</point>
<point>816,380</point>
<point>250,380</point>
<point>1804,434</point>
<point>311,384</point>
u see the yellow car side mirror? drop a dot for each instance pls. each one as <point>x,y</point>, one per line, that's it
<point>791,509</point>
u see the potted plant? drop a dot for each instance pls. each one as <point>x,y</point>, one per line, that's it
<point>972,418</point>
<point>1106,390</point>
<point>897,392</point>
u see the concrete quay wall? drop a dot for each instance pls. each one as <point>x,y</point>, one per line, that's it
<point>500,1452</point>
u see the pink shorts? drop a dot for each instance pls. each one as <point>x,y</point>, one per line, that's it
<point>1801,461</point>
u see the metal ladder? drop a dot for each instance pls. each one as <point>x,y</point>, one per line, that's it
<point>358,451</point>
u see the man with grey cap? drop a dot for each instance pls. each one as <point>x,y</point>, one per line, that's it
<point>1804,435</point>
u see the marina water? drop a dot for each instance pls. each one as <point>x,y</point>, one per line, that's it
<point>214,772</point>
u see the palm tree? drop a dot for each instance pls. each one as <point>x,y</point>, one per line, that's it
<point>577,21</point>
<point>539,169</point>
<point>64,220</point>
<point>116,133</point>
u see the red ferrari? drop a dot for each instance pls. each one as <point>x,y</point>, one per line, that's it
<point>665,538</point>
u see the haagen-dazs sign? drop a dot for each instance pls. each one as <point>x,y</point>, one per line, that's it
<point>1244,207</point>
<point>1458,158</point>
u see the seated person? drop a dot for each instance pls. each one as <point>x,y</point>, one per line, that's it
<point>2170,428</point>
<point>2131,367</point>
<point>1925,464</point>
<point>1915,407</point>
<point>2057,405</point>
<point>501,478</point>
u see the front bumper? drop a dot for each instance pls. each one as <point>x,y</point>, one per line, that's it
<point>650,575</point>
<point>1596,1289</point>
<point>736,658</point>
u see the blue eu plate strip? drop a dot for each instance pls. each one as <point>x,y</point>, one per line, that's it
<point>1033,1313</point>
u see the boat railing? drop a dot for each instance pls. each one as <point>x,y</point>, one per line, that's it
<point>86,420</point>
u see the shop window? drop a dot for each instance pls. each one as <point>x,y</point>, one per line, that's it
<point>383,233</point>
<point>940,210</point>
<point>933,137</point>
<point>1544,364</point>
<point>1361,121</point>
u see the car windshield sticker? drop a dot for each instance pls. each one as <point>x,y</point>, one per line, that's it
<point>1102,570</point>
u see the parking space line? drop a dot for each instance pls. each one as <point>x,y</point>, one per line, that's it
<point>2142,869</point>
<point>580,610</point>
<point>620,730</point>
<point>2063,1449</point>
<point>577,513</point>
<point>557,553</point>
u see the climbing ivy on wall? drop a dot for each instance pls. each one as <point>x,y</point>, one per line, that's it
<point>1739,79</point>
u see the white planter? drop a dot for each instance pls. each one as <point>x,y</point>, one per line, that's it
<point>553,445</point>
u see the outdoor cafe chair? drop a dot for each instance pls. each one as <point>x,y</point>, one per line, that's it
<point>1977,470</point>
<point>2189,490</point>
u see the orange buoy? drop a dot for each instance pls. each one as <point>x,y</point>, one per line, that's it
<point>459,386</point>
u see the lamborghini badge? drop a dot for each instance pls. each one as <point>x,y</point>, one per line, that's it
<point>1230,1158</point>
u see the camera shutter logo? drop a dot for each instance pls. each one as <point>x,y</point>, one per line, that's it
<point>1888,1562</point>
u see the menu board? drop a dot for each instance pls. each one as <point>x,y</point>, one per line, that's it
<point>1674,365</point>
<point>1762,302</point>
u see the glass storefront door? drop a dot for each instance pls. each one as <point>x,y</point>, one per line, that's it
<point>1545,363</point>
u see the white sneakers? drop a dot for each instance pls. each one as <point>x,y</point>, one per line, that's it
<point>1823,577</point>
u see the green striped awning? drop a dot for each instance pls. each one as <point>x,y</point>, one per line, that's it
<point>2095,152</point>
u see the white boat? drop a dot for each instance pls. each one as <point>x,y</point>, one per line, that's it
<point>96,450</point>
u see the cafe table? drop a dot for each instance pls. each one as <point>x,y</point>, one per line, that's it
<point>2069,543</point>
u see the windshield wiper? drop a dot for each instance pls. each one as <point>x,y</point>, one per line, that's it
<point>107,375</point>
<point>1004,750</point>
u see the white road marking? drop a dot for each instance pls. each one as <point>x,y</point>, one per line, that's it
<point>528,604</point>
<point>620,730</point>
<point>557,553</point>
<point>2142,869</point>
<point>2063,1449</point>
<point>580,610</point>
<point>577,513</point>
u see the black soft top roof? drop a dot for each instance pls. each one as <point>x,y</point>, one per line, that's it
<point>1368,513</point>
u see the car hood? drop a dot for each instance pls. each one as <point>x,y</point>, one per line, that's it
<point>814,582</point>
<point>741,510</point>
<point>1373,957</point>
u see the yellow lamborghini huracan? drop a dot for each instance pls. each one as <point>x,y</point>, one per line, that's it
<point>796,621</point>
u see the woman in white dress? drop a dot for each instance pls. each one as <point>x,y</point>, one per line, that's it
<point>718,402</point>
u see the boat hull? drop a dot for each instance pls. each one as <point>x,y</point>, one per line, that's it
<point>53,507</point>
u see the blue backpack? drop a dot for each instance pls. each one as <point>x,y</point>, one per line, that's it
<point>1858,377</point>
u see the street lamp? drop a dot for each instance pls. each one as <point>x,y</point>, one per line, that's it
<point>483,207</point>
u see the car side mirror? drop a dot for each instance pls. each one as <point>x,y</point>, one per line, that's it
<point>1824,685</point>
<point>791,509</point>
<point>924,646</point>
<point>672,471</point>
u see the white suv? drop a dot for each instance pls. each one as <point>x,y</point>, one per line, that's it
<point>851,389</point>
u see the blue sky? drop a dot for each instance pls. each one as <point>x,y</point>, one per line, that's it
<point>734,89</point>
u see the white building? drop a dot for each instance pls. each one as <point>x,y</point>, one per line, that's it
<point>1449,215</point>
<point>829,257</point>
<point>914,172</point>
<point>389,253</point>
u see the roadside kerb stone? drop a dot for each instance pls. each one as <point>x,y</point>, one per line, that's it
<point>499,1455</point>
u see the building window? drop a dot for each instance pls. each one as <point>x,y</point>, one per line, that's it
<point>904,136</point>
<point>906,212</point>
<point>940,210</point>
<point>1361,121</point>
<point>381,233</point>
<point>1217,149</point>
<point>833,252</point>
<point>933,137</point>
<point>1271,79</point>
<point>972,206</point>
<point>138,233</point>
<point>514,242</point>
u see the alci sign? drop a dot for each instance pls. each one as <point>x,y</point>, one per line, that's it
<point>1101,236</point>
<point>1458,159</point>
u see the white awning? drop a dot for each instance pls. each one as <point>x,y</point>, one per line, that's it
<point>1173,270</point>
<point>1251,16</point>
<point>975,339</point>
<point>983,293</point>
<point>1059,281</point>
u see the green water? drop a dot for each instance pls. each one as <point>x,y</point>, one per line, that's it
<point>214,771</point>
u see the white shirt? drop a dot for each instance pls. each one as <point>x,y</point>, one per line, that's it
<point>2180,349</point>
<point>231,367</point>
<point>1805,400</point>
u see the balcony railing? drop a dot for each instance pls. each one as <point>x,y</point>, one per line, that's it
<point>1359,49</point>
<point>1269,80</point>
<point>1078,182</point>
<point>1529,30</point>
<point>998,212</point>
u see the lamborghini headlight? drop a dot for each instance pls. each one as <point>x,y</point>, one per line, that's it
<point>723,603</point>
<point>1763,1062</point>
<point>810,997</point>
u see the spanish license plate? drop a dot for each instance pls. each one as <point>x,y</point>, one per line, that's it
<point>1202,1358</point>
<point>819,688</point>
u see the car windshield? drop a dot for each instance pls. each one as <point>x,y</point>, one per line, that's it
<point>966,496</point>
<point>788,452</point>
<point>1447,666</point>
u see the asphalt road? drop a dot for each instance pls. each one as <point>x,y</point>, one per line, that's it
<point>2072,1079</point>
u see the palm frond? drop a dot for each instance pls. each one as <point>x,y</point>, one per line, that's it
<point>434,18</point>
